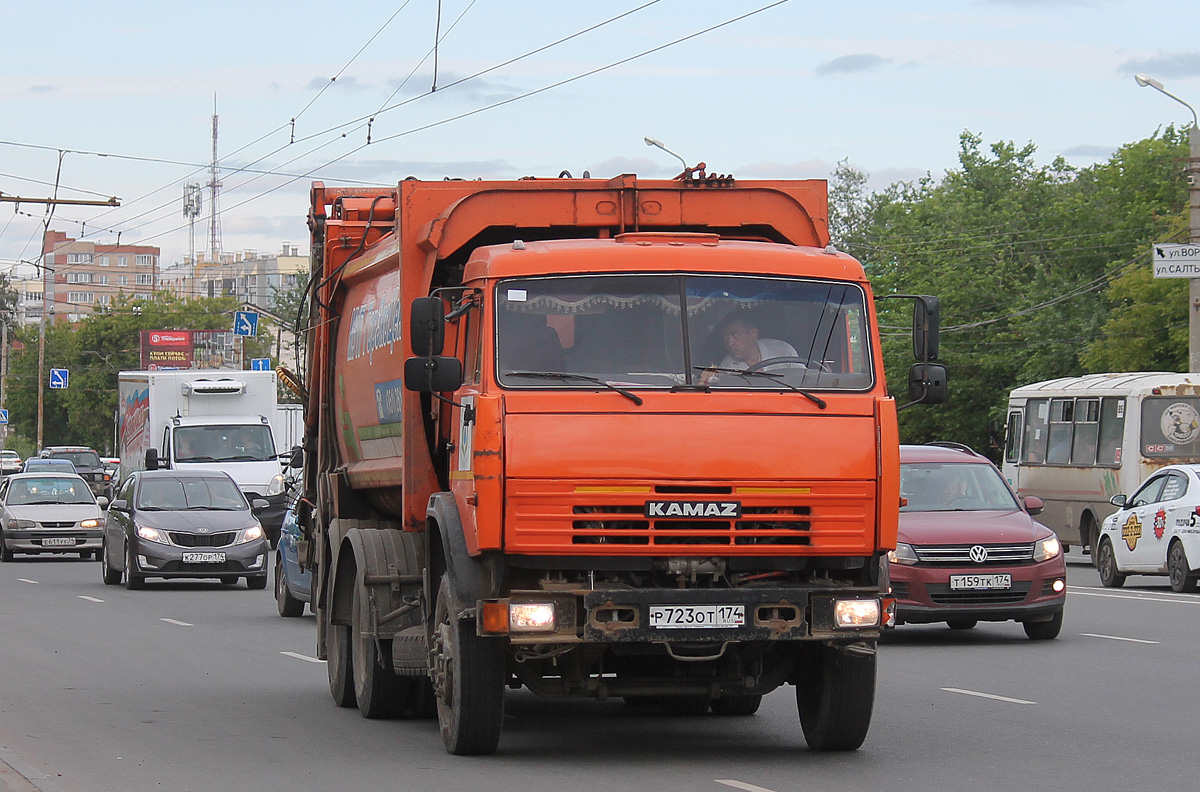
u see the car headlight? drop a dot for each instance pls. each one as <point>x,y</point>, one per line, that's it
<point>903,554</point>
<point>151,534</point>
<point>277,486</point>
<point>95,522</point>
<point>250,534</point>
<point>21,525</point>
<point>1047,548</point>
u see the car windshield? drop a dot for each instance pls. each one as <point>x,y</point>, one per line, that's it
<point>238,443</point>
<point>193,493</point>
<point>61,465</point>
<point>31,491</point>
<point>85,459</point>
<point>954,486</point>
<point>656,331</point>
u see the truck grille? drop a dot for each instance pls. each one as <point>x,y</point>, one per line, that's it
<point>960,555</point>
<point>550,517</point>
<point>222,539</point>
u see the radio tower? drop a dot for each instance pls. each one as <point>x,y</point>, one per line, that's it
<point>214,186</point>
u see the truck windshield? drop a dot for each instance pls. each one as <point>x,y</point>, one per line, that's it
<point>650,331</point>
<point>238,443</point>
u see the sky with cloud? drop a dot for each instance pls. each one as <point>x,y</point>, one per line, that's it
<point>116,98</point>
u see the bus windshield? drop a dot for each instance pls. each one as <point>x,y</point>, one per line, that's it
<point>682,330</point>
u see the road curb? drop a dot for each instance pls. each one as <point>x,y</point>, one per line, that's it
<point>16,776</point>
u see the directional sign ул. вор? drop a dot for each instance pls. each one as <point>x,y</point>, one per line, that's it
<point>1174,260</point>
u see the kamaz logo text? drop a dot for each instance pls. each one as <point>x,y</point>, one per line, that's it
<point>686,509</point>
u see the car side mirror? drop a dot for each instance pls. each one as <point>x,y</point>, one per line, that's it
<point>1034,505</point>
<point>258,504</point>
<point>102,502</point>
<point>120,504</point>
<point>152,462</point>
<point>1119,501</point>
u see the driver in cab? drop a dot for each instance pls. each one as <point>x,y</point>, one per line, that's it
<point>744,348</point>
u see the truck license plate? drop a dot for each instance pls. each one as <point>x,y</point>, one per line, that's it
<point>58,541</point>
<point>958,582</point>
<point>203,558</point>
<point>696,616</point>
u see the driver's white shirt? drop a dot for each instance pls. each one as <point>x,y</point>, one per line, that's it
<point>767,348</point>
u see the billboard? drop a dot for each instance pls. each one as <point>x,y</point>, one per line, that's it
<point>187,349</point>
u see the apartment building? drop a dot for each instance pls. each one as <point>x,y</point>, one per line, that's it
<point>81,276</point>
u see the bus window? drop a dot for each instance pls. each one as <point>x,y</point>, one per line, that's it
<point>1087,432</point>
<point>1112,427</point>
<point>1012,438</point>
<point>1037,414</point>
<point>1062,414</point>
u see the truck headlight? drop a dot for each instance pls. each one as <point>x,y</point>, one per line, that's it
<point>903,554</point>
<point>277,486</point>
<point>1046,549</point>
<point>856,613</point>
<point>531,616</point>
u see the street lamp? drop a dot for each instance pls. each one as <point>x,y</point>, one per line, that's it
<point>1194,217</point>
<point>659,144</point>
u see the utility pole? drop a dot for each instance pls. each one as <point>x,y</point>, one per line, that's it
<point>3,375</point>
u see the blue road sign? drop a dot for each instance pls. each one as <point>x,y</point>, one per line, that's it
<point>59,378</point>
<point>260,364</point>
<point>3,416</point>
<point>245,323</point>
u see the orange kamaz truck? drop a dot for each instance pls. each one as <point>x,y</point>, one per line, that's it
<point>598,438</point>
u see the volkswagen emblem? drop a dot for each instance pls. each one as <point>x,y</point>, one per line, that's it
<point>979,554</point>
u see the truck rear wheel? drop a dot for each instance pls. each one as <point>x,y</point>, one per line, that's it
<point>377,689</point>
<point>468,678</point>
<point>836,698</point>
<point>341,675</point>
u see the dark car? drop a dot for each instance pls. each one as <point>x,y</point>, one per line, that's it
<point>183,524</point>
<point>969,550</point>
<point>44,465</point>
<point>87,464</point>
<point>293,585</point>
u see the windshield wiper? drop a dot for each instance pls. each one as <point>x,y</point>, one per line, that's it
<point>774,376</point>
<point>189,459</point>
<point>562,375</point>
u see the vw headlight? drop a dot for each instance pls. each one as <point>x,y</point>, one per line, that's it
<point>277,485</point>
<point>250,534</point>
<point>903,554</point>
<point>152,534</point>
<point>1046,549</point>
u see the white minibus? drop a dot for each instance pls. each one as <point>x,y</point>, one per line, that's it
<point>1077,441</point>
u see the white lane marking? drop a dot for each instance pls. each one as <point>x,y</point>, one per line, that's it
<point>173,621</point>
<point>1140,598</point>
<point>27,580</point>
<point>1118,638</point>
<point>741,785</point>
<point>299,656</point>
<point>988,696</point>
<point>89,599</point>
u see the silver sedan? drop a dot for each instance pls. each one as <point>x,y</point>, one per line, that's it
<point>49,513</point>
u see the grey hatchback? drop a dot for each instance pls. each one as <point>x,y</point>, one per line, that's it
<point>183,524</point>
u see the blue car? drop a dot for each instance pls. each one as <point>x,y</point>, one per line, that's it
<point>293,585</point>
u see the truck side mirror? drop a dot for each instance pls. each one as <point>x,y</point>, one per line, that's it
<point>427,326</point>
<point>152,459</point>
<point>433,374</point>
<point>927,325</point>
<point>927,384</point>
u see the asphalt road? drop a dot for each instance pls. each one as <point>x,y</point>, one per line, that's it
<point>198,686</point>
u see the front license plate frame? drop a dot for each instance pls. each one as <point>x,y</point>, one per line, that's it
<point>204,558</point>
<point>992,582</point>
<point>697,617</point>
<point>58,541</point>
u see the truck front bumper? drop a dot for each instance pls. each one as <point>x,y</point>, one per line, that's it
<point>684,615</point>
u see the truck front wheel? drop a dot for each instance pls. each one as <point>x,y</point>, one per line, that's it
<point>468,679</point>
<point>836,696</point>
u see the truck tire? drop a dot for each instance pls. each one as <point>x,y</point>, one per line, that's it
<point>468,677</point>
<point>836,698</point>
<point>337,665</point>
<point>377,689</point>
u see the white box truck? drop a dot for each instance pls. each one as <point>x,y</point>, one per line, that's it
<point>196,419</point>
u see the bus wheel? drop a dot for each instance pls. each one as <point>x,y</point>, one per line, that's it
<point>1089,535</point>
